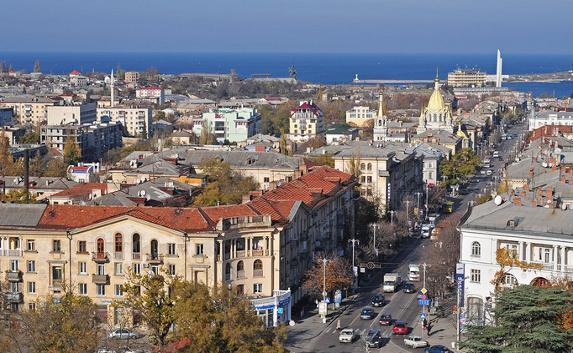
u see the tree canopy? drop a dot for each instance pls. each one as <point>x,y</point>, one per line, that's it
<point>528,320</point>
<point>338,276</point>
<point>72,153</point>
<point>461,165</point>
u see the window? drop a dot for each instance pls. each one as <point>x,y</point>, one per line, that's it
<point>171,269</point>
<point>171,249</point>
<point>31,266</point>
<point>258,268</point>
<point>118,268</point>
<point>509,280</point>
<point>100,246</point>
<point>14,265</point>
<point>82,268</point>
<point>362,166</point>
<point>56,246</point>
<point>475,276</point>
<point>100,289</point>
<point>30,246</point>
<point>257,288</point>
<point>82,248</point>
<point>476,249</point>
<point>266,179</point>
<point>57,274</point>
<point>362,179</point>
<point>155,269</point>
<point>547,257</point>
<point>118,290</point>
<point>369,179</point>
<point>198,249</point>
<point>118,243</point>
<point>32,287</point>
<point>83,288</point>
<point>136,246</point>
<point>136,268</point>
<point>101,269</point>
<point>32,306</point>
<point>369,166</point>
<point>154,249</point>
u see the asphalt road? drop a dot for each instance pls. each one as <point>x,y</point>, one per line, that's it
<point>403,306</point>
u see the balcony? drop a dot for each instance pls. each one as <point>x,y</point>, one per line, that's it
<point>136,256</point>
<point>259,252</point>
<point>14,276</point>
<point>241,253</point>
<point>241,275</point>
<point>100,279</point>
<point>15,298</point>
<point>118,255</point>
<point>12,252</point>
<point>154,259</point>
<point>100,257</point>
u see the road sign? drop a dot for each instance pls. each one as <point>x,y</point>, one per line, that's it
<point>424,297</point>
<point>423,316</point>
<point>371,265</point>
<point>423,290</point>
<point>327,300</point>
<point>424,302</point>
<point>280,310</point>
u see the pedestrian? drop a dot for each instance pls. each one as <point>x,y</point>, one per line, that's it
<point>429,328</point>
<point>425,323</point>
<point>338,326</point>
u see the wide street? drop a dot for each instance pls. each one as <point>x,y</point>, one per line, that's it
<point>400,305</point>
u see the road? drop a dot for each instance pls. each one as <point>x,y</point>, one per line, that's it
<point>401,306</point>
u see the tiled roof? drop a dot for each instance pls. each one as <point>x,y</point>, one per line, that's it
<point>82,189</point>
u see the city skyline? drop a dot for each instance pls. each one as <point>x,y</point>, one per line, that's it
<point>364,26</point>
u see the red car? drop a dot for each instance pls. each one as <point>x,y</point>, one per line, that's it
<point>400,328</point>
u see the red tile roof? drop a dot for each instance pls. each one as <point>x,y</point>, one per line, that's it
<point>550,130</point>
<point>82,189</point>
<point>75,73</point>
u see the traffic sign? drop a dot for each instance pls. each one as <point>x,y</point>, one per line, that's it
<point>423,316</point>
<point>424,302</point>
<point>423,290</point>
<point>424,297</point>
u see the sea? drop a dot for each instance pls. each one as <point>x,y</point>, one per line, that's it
<point>317,68</point>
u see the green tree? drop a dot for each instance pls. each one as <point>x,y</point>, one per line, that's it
<point>18,196</point>
<point>206,137</point>
<point>149,295</point>
<point>461,165</point>
<point>30,138</point>
<point>72,153</point>
<point>527,321</point>
<point>222,322</point>
<point>56,168</point>
<point>275,120</point>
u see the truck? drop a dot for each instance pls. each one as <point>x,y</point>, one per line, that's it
<point>391,282</point>
<point>414,272</point>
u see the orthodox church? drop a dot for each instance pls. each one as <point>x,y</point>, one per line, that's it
<point>437,115</point>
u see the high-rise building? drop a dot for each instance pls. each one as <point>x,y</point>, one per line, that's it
<point>466,78</point>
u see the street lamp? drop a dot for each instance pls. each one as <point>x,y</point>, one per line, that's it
<point>392,216</point>
<point>354,241</point>
<point>324,261</point>
<point>375,226</point>
<point>418,194</point>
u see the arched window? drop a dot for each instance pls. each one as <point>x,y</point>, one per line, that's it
<point>369,166</point>
<point>362,166</point>
<point>136,247</point>
<point>118,242</point>
<point>154,249</point>
<point>240,269</point>
<point>476,249</point>
<point>509,280</point>
<point>258,268</point>
<point>100,246</point>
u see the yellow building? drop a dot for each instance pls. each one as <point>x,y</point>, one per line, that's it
<point>466,78</point>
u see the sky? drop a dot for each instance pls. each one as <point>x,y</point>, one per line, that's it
<point>298,26</point>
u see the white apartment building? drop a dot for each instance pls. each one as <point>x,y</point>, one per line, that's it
<point>360,116</point>
<point>153,94</point>
<point>538,236</point>
<point>28,110</point>
<point>539,119</point>
<point>71,114</point>
<point>135,120</point>
<point>232,125</point>
<point>306,122</point>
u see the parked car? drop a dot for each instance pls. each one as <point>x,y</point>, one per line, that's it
<point>489,172</point>
<point>425,231</point>
<point>122,334</point>
<point>374,339</point>
<point>367,314</point>
<point>385,320</point>
<point>105,350</point>
<point>378,300</point>
<point>438,349</point>
<point>348,335</point>
<point>409,288</point>
<point>400,328</point>
<point>415,342</point>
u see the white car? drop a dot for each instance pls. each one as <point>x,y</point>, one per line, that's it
<point>426,231</point>
<point>123,334</point>
<point>489,172</point>
<point>415,342</point>
<point>348,335</point>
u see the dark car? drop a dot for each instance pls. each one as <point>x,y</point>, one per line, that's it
<point>378,300</point>
<point>409,288</point>
<point>438,349</point>
<point>374,339</point>
<point>367,314</point>
<point>386,320</point>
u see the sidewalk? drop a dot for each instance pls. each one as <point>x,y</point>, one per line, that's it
<point>311,325</point>
<point>442,331</point>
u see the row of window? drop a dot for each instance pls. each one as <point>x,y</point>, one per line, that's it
<point>82,268</point>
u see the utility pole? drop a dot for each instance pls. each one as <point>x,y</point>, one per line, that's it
<point>418,194</point>
<point>408,213</point>
<point>324,261</point>
<point>427,195</point>
<point>354,241</point>
<point>375,226</point>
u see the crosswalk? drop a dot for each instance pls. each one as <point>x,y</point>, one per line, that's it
<point>385,333</point>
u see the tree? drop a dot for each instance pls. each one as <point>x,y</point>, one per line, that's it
<point>7,164</point>
<point>18,196</point>
<point>30,138</point>
<point>56,168</point>
<point>461,165</point>
<point>206,137</point>
<point>66,326</point>
<point>221,322</point>
<point>72,153</point>
<point>338,276</point>
<point>323,159</point>
<point>527,321</point>
<point>275,120</point>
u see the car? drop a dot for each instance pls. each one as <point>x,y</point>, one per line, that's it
<point>415,342</point>
<point>437,349</point>
<point>409,288</point>
<point>105,350</point>
<point>378,300</point>
<point>348,335</point>
<point>386,320</point>
<point>123,334</point>
<point>489,172</point>
<point>425,232</point>
<point>367,314</point>
<point>400,328</point>
<point>374,339</point>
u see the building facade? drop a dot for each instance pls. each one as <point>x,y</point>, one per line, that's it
<point>72,114</point>
<point>543,118</point>
<point>360,116</point>
<point>232,125</point>
<point>437,115</point>
<point>137,121</point>
<point>306,122</point>
<point>131,77</point>
<point>466,78</point>
<point>153,94</point>
<point>28,110</point>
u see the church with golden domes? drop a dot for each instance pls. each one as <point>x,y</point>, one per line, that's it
<point>437,115</point>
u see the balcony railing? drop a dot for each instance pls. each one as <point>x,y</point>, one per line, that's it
<point>15,298</point>
<point>100,279</point>
<point>257,273</point>
<point>100,257</point>
<point>14,276</point>
<point>241,275</point>
<point>241,253</point>
<point>154,259</point>
<point>226,256</point>
<point>118,255</point>
<point>136,256</point>
<point>546,266</point>
<point>259,252</point>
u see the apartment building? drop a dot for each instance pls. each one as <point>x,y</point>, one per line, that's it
<point>232,125</point>
<point>361,116</point>
<point>153,94</point>
<point>28,110</point>
<point>466,78</point>
<point>6,116</point>
<point>131,77</point>
<point>261,249</point>
<point>137,121</point>
<point>543,118</point>
<point>539,237</point>
<point>306,122</point>
<point>72,114</point>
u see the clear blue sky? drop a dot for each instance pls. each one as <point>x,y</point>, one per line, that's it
<point>356,26</point>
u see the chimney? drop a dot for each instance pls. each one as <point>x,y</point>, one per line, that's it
<point>517,201</point>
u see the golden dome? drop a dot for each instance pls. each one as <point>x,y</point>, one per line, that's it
<point>436,102</point>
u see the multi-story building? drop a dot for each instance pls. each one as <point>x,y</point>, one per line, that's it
<point>540,238</point>
<point>93,139</point>
<point>360,116</point>
<point>466,78</point>
<point>137,121</point>
<point>153,94</point>
<point>539,119</point>
<point>131,77</point>
<point>72,114</point>
<point>6,116</point>
<point>306,122</point>
<point>39,187</point>
<point>28,110</point>
<point>232,125</point>
<point>261,249</point>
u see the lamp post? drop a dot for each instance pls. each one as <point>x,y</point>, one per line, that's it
<point>354,241</point>
<point>391,216</point>
<point>418,194</point>
<point>324,261</point>
<point>374,227</point>
<point>427,196</point>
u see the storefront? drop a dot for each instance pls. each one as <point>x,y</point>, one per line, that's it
<point>274,310</point>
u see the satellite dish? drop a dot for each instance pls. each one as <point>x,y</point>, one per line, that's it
<point>148,197</point>
<point>498,200</point>
<point>142,193</point>
<point>564,206</point>
<point>544,164</point>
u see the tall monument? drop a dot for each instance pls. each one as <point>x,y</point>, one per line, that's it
<point>112,83</point>
<point>498,72</point>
